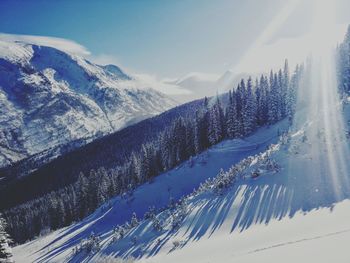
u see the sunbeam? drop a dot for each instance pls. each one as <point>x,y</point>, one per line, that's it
<point>325,132</point>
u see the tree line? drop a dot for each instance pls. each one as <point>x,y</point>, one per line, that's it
<point>246,108</point>
<point>343,64</point>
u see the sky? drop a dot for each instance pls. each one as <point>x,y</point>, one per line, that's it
<point>170,39</point>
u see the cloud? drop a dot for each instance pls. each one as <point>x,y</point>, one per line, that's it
<point>104,59</point>
<point>149,81</point>
<point>72,47</point>
<point>66,45</point>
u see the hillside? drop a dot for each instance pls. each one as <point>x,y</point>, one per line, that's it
<point>52,100</point>
<point>171,185</point>
<point>108,151</point>
<point>233,215</point>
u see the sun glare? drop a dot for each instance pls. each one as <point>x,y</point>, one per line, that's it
<point>326,132</point>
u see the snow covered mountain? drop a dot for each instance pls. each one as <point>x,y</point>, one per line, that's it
<point>198,85</point>
<point>49,98</point>
<point>266,203</point>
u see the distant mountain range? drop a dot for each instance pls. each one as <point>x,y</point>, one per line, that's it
<point>50,99</point>
<point>199,84</point>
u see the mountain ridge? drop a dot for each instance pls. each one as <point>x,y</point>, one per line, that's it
<point>49,98</point>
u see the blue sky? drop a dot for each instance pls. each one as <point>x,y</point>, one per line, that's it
<point>165,38</point>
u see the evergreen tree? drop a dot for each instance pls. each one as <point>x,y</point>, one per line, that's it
<point>343,64</point>
<point>261,94</point>
<point>5,249</point>
<point>231,116</point>
<point>274,112</point>
<point>240,101</point>
<point>216,123</point>
<point>134,222</point>
<point>291,95</point>
<point>249,109</point>
<point>285,87</point>
<point>82,193</point>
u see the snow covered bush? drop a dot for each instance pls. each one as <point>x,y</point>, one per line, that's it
<point>157,225</point>
<point>5,249</point>
<point>177,244</point>
<point>134,221</point>
<point>179,213</point>
<point>90,245</point>
<point>150,214</point>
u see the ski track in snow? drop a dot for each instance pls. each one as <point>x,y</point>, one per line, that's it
<point>297,241</point>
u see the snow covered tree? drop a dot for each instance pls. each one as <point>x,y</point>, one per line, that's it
<point>261,94</point>
<point>249,109</point>
<point>157,224</point>
<point>292,94</point>
<point>5,249</point>
<point>285,87</point>
<point>274,99</point>
<point>343,63</point>
<point>231,116</point>
<point>134,221</point>
<point>82,192</point>
<point>240,101</point>
<point>201,128</point>
<point>216,123</point>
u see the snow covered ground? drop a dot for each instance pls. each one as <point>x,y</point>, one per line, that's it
<point>171,185</point>
<point>295,209</point>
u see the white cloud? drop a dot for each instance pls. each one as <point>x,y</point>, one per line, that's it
<point>66,45</point>
<point>149,81</point>
<point>104,59</point>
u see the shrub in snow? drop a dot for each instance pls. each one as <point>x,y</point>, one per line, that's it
<point>271,165</point>
<point>90,245</point>
<point>256,173</point>
<point>134,222</point>
<point>179,213</point>
<point>122,232</point>
<point>156,224</point>
<point>118,233</point>
<point>177,244</point>
<point>151,213</point>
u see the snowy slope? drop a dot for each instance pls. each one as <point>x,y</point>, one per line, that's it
<point>173,184</point>
<point>49,98</point>
<point>296,205</point>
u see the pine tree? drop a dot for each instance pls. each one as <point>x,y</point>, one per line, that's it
<point>134,222</point>
<point>274,112</point>
<point>291,95</point>
<point>343,63</point>
<point>216,123</point>
<point>231,116</point>
<point>261,94</point>
<point>240,101</point>
<point>285,87</point>
<point>249,109</point>
<point>5,249</point>
<point>82,194</point>
<point>202,128</point>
